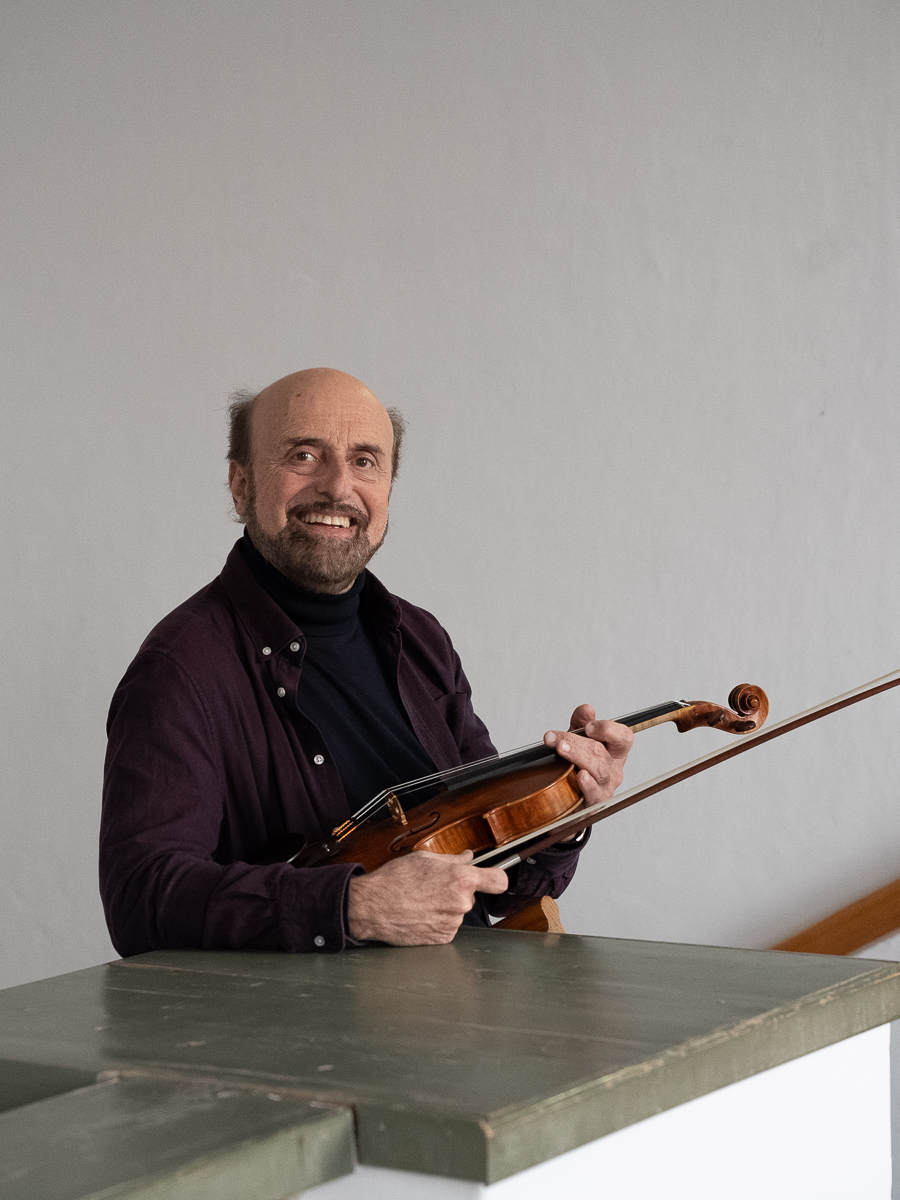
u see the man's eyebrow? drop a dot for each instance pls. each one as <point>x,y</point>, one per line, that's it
<point>305,441</point>
<point>356,448</point>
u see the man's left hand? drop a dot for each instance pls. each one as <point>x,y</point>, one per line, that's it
<point>599,756</point>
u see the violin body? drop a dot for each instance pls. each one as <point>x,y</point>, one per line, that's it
<point>486,815</point>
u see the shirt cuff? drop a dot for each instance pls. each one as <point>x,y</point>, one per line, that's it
<point>312,906</point>
<point>549,872</point>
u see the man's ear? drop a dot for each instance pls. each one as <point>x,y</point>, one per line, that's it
<point>239,483</point>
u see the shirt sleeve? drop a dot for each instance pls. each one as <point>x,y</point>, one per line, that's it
<point>163,810</point>
<point>469,731</point>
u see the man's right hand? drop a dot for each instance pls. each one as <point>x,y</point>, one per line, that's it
<point>420,899</point>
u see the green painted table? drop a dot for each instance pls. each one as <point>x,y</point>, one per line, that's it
<point>223,1074</point>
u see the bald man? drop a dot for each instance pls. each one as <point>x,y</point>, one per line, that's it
<point>288,692</point>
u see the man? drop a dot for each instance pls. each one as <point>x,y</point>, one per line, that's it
<point>286,693</point>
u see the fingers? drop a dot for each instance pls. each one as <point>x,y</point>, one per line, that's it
<point>490,879</point>
<point>419,899</point>
<point>599,756</point>
<point>616,738</point>
<point>580,717</point>
<point>479,879</point>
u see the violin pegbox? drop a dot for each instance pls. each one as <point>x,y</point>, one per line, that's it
<point>751,705</point>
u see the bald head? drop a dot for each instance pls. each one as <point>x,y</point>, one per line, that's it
<point>321,381</point>
<point>253,416</point>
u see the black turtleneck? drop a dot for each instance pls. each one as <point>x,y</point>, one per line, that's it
<point>345,689</point>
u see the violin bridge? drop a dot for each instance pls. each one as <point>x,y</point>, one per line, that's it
<point>395,808</point>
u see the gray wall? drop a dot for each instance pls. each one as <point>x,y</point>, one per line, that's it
<point>630,269</point>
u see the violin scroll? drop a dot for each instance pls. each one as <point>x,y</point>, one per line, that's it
<point>751,705</point>
<point>750,700</point>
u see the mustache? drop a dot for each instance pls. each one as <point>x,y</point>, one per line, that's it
<point>329,509</point>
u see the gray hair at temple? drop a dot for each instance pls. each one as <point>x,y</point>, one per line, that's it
<point>240,412</point>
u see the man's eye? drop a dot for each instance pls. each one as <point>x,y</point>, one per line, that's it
<point>304,455</point>
<point>364,461</point>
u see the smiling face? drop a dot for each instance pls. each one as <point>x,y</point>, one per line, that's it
<point>314,496</point>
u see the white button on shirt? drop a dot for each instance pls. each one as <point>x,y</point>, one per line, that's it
<point>319,759</point>
<point>282,693</point>
<point>319,940</point>
<point>295,646</point>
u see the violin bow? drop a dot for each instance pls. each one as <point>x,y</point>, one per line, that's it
<point>549,835</point>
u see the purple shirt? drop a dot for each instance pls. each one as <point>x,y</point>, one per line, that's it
<point>209,759</point>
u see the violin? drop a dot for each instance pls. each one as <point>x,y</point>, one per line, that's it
<point>506,801</point>
<point>509,807</point>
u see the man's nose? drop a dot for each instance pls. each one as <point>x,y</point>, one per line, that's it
<point>335,480</point>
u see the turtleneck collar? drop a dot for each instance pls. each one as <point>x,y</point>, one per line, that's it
<point>318,614</point>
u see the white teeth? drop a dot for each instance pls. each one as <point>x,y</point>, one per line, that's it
<point>320,519</point>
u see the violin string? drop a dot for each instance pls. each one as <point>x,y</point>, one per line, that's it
<point>378,802</point>
<point>449,774</point>
<point>415,785</point>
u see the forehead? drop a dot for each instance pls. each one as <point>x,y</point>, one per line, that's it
<point>343,416</point>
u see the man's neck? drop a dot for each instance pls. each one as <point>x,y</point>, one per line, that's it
<point>316,613</point>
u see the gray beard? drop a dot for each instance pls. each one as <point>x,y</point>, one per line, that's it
<point>313,563</point>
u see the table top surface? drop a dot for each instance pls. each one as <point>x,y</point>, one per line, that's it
<point>473,1060</point>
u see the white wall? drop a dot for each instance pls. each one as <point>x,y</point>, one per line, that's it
<point>630,269</point>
